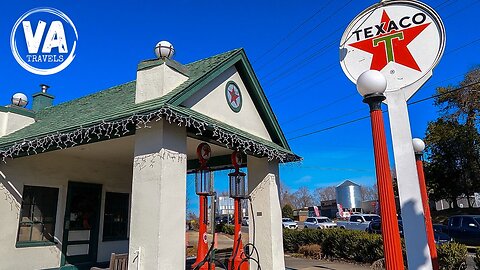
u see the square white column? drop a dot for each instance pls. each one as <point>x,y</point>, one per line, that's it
<point>157,225</point>
<point>263,185</point>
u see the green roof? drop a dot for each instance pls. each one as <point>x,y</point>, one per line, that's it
<point>119,102</point>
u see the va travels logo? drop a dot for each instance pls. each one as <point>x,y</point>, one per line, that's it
<point>43,41</point>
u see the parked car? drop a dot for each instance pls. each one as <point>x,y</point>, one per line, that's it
<point>358,222</point>
<point>465,229</point>
<point>319,223</point>
<point>376,227</point>
<point>440,228</point>
<point>288,223</point>
<point>245,221</point>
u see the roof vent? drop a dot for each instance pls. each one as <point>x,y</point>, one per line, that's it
<point>44,87</point>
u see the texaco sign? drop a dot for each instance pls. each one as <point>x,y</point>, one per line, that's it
<point>402,39</point>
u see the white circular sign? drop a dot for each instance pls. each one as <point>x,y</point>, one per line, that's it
<point>402,39</point>
<point>43,41</point>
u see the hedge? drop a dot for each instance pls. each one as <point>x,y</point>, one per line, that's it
<point>359,246</point>
<point>225,228</point>
<point>452,256</point>
<point>477,259</point>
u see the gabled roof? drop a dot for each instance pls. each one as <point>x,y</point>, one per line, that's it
<point>119,102</point>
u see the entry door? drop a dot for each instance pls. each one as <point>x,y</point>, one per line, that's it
<point>82,216</point>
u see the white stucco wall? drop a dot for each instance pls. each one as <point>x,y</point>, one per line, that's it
<point>53,169</point>
<point>11,122</point>
<point>211,101</point>
<point>157,81</point>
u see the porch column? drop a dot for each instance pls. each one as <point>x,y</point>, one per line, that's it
<point>263,184</point>
<point>157,225</point>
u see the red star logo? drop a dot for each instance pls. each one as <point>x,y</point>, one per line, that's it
<point>233,96</point>
<point>206,152</point>
<point>391,46</point>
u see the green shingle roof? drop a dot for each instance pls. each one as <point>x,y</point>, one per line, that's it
<point>119,102</point>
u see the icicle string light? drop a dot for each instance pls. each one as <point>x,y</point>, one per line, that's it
<point>119,128</point>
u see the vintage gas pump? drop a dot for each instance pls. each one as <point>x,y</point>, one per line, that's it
<point>204,189</point>
<point>238,260</point>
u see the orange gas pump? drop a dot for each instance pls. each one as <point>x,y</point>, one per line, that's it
<point>238,260</point>
<point>204,189</point>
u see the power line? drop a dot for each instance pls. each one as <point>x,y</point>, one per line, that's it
<point>317,53</point>
<point>292,31</point>
<point>462,9</point>
<point>326,120</point>
<point>309,32</point>
<point>441,4</point>
<point>318,108</point>
<point>338,100</point>
<point>365,117</point>
<point>283,90</point>
<point>358,110</point>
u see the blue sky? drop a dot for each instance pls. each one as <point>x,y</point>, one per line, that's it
<point>115,35</point>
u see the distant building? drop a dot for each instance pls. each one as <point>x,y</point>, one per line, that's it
<point>349,195</point>
<point>225,206</point>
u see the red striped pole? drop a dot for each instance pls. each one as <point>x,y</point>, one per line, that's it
<point>426,211</point>
<point>202,246</point>
<point>391,236</point>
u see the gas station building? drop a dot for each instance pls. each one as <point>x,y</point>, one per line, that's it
<point>106,173</point>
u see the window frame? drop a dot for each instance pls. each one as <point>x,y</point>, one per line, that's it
<point>53,223</point>
<point>127,223</point>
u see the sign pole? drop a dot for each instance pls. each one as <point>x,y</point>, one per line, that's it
<point>418,253</point>
<point>404,40</point>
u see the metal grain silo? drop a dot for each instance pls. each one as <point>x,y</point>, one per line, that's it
<point>349,195</point>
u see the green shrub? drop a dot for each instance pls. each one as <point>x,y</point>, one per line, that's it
<point>452,256</point>
<point>228,229</point>
<point>312,251</point>
<point>219,227</point>
<point>477,259</point>
<point>359,246</point>
<point>349,245</point>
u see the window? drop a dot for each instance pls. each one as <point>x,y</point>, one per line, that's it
<point>354,218</point>
<point>115,222</point>
<point>309,220</point>
<point>455,221</point>
<point>322,220</point>
<point>370,218</point>
<point>467,221</point>
<point>37,216</point>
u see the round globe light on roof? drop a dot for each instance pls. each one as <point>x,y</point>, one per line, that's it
<point>371,82</point>
<point>418,145</point>
<point>164,49</point>
<point>19,99</point>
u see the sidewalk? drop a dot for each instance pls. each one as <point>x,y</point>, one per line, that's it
<point>292,263</point>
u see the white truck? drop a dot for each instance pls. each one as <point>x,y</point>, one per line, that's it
<point>357,222</point>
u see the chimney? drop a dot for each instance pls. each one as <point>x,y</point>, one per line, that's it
<point>42,100</point>
<point>15,116</point>
<point>157,77</point>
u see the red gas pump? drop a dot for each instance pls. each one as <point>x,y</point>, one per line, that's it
<point>238,260</point>
<point>203,188</point>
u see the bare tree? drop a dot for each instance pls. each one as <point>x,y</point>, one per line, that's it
<point>303,198</point>
<point>369,193</point>
<point>324,194</point>
<point>286,196</point>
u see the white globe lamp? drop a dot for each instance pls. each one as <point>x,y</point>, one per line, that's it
<point>418,145</point>
<point>164,49</point>
<point>371,82</point>
<point>20,100</point>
